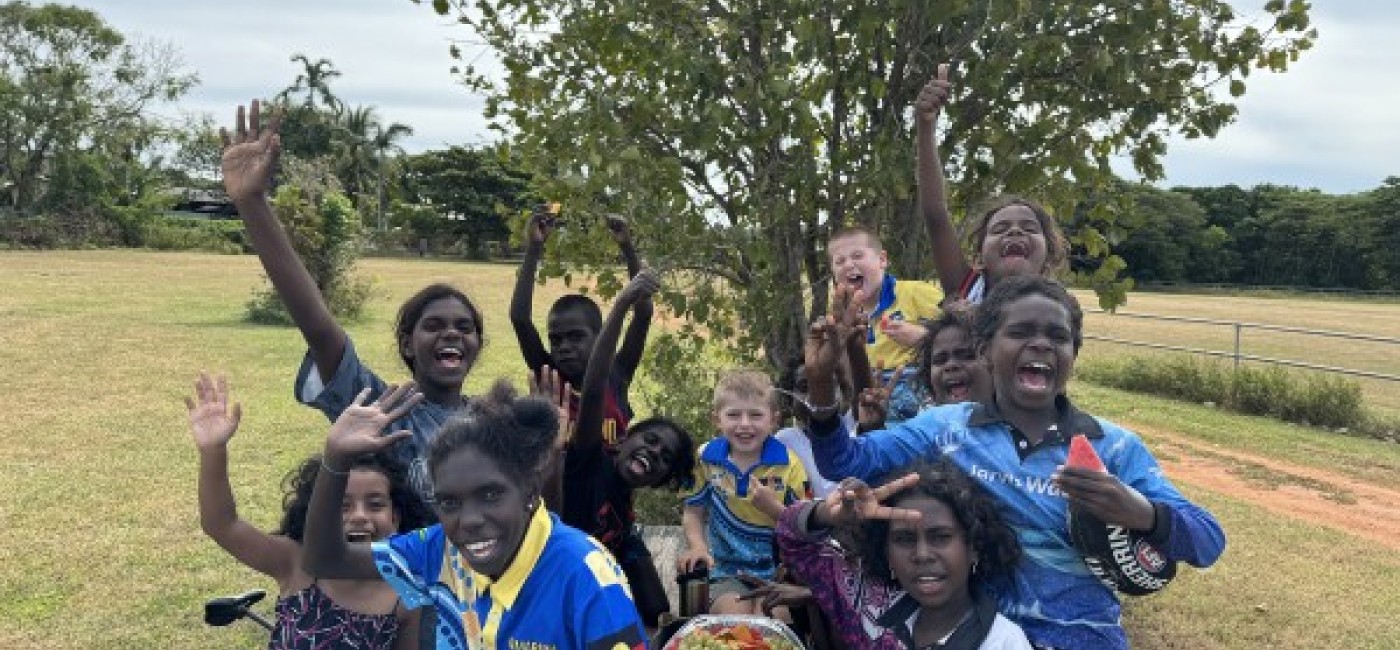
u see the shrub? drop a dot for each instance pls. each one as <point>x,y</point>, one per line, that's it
<point>1304,397</point>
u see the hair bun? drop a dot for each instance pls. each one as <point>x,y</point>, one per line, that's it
<point>535,413</point>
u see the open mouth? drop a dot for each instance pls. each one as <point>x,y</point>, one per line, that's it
<point>855,281</point>
<point>640,463</point>
<point>359,536</point>
<point>1035,376</point>
<point>450,357</point>
<point>479,552</point>
<point>1016,249</point>
<point>957,390</point>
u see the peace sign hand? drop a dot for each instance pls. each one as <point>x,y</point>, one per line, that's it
<point>357,431</point>
<point>874,403</point>
<point>853,502</point>
<point>250,154</point>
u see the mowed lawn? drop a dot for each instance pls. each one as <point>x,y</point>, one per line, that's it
<point>99,540</point>
<point>1374,318</point>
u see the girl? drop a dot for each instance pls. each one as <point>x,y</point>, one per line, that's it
<point>931,541</point>
<point>438,332</point>
<point>598,483</point>
<point>1028,331</point>
<point>499,569</point>
<point>1012,236</point>
<point>948,362</point>
<point>310,613</point>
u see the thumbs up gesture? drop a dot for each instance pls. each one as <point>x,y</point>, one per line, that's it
<point>934,96</point>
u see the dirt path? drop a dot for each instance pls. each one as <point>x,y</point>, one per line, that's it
<point>1313,495</point>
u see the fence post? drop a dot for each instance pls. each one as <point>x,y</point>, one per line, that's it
<point>1238,327</point>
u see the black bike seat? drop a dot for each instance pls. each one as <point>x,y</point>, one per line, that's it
<point>223,611</point>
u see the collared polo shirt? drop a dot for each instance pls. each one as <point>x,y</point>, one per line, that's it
<point>739,534</point>
<point>900,300</point>
<point>563,591</point>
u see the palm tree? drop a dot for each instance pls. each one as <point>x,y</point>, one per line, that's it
<point>363,143</point>
<point>314,80</point>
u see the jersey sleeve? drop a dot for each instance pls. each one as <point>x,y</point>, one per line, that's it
<point>332,397</point>
<point>608,617</point>
<point>923,299</point>
<point>697,490</point>
<point>1185,531</point>
<point>406,560</point>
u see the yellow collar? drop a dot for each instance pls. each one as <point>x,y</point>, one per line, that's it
<point>507,588</point>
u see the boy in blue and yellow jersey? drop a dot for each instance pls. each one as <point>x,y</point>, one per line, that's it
<point>742,482</point>
<point>894,307</point>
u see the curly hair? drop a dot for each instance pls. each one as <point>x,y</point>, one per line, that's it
<point>956,314</point>
<point>514,432</point>
<point>297,485</point>
<point>992,310</point>
<point>991,540</point>
<point>412,311</point>
<point>1056,246</point>
<point>684,464</point>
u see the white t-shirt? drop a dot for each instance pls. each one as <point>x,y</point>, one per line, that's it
<point>797,441</point>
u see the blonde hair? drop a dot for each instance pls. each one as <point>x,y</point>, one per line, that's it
<point>744,384</point>
<point>846,232</point>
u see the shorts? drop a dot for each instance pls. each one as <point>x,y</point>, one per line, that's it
<point>725,586</point>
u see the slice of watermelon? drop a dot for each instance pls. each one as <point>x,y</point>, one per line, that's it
<point>1082,454</point>
<point>885,323</point>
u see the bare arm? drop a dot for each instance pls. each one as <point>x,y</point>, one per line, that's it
<point>531,347</point>
<point>697,549</point>
<point>212,424</point>
<point>589,428</point>
<point>250,156</point>
<point>948,260</point>
<point>635,342</point>
<point>548,384</point>
<point>325,553</point>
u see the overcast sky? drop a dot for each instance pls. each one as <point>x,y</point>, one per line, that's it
<point>1331,122</point>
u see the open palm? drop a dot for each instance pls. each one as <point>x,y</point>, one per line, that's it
<point>357,431</point>
<point>250,154</point>
<point>212,423</point>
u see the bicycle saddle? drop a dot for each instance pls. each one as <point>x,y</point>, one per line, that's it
<point>222,611</point>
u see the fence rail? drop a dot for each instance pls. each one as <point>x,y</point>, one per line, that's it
<point>1238,354</point>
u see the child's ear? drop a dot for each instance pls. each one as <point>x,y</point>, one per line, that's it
<point>405,347</point>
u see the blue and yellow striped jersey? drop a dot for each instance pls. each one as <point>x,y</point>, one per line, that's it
<point>563,591</point>
<point>900,300</point>
<point>739,535</point>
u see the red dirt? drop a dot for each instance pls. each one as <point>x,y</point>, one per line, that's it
<point>1305,493</point>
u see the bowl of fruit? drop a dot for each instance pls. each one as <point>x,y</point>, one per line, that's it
<point>733,633</point>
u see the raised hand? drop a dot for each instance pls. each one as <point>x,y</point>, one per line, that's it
<point>549,385</point>
<point>212,423</point>
<point>765,498</point>
<point>642,286</point>
<point>853,502</point>
<point>542,222</point>
<point>1106,497</point>
<point>357,431</point>
<point>934,96</point>
<point>874,402</point>
<point>250,154</point>
<point>619,228</point>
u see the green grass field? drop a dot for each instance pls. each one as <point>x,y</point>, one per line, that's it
<point>101,546</point>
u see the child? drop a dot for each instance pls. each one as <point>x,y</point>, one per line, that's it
<point>573,324</point>
<point>931,542</point>
<point>741,482</point>
<point>1029,330</point>
<point>377,504</point>
<point>858,262</point>
<point>948,362</point>
<point>438,332</point>
<point>501,572</point>
<point>1012,236</point>
<point>598,484</point>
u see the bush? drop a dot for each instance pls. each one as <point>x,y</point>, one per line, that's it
<point>1304,397</point>
<point>325,232</point>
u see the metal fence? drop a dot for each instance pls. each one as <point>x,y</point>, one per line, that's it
<point>1238,355</point>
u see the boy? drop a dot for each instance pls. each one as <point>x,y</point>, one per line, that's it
<point>574,322</point>
<point>742,481</point>
<point>895,307</point>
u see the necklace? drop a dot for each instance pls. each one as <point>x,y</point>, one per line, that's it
<point>944,639</point>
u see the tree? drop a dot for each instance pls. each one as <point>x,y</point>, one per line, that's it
<point>1167,235</point>
<point>463,194</point>
<point>71,87</point>
<point>736,134</point>
<point>1377,213</point>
